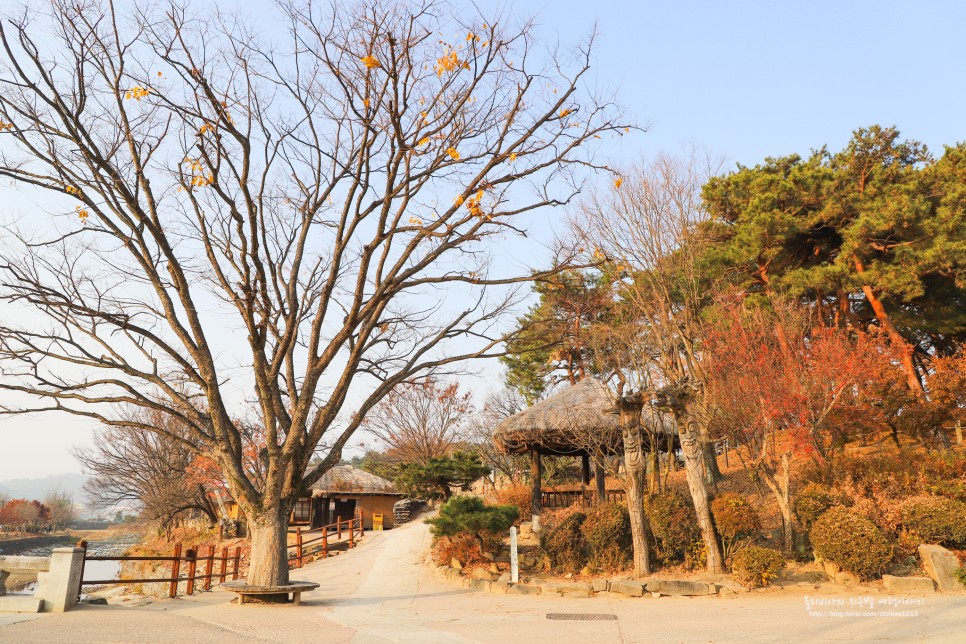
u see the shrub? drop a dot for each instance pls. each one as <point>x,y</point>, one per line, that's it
<point>756,566</point>
<point>468,514</point>
<point>673,526</point>
<point>852,542</point>
<point>607,531</point>
<point>894,475</point>
<point>736,520</point>
<point>519,495</point>
<point>462,546</point>
<point>565,545</point>
<point>812,502</point>
<point>935,520</point>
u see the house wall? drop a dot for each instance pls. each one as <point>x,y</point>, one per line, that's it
<point>376,505</point>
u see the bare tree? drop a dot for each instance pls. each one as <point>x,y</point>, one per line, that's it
<point>420,420</point>
<point>61,505</point>
<point>648,224</point>
<point>330,198</point>
<point>147,469</point>
<point>498,405</point>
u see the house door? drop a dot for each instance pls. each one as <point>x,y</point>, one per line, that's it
<point>344,510</point>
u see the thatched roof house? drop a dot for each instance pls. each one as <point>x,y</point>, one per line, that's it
<point>345,492</point>
<point>345,479</point>
<point>566,423</point>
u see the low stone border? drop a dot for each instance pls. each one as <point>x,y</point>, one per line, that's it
<point>626,587</point>
<point>710,585</point>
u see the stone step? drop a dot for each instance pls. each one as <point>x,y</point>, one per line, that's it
<point>19,604</point>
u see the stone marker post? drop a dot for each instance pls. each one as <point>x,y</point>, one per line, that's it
<point>514,561</point>
<point>58,586</point>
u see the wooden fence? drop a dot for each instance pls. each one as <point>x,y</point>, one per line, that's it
<point>317,540</point>
<point>194,565</point>
<point>197,567</point>
<point>553,499</point>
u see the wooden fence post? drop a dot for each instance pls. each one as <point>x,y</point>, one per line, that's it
<point>209,564</point>
<point>80,582</point>
<point>325,541</point>
<point>234,574</point>
<point>362,527</point>
<point>298,545</point>
<point>352,541</point>
<point>192,556</point>
<point>224,564</point>
<point>175,571</point>
<point>340,526</point>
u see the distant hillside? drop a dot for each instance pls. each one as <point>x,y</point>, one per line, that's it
<point>37,488</point>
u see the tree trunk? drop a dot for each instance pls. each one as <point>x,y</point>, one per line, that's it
<point>600,480</point>
<point>693,465</point>
<point>268,565</point>
<point>711,469</point>
<point>781,488</point>
<point>905,349</point>
<point>635,465</point>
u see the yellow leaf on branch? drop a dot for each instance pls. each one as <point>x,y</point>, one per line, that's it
<point>136,93</point>
<point>371,62</point>
<point>453,154</point>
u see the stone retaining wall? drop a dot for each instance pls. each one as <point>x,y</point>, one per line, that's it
<point>629,588</point>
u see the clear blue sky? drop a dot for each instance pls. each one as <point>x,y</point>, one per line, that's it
<point>743,79</point>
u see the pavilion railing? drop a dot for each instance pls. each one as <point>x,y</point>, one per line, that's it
<point>553,499</point>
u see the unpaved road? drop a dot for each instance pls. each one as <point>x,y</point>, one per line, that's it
<point>382,592</point>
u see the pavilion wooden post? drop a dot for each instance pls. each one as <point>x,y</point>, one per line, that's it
<point>536,500</point>
<point>584,478</point>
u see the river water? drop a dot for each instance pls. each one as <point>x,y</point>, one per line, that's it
<point>93,570</point>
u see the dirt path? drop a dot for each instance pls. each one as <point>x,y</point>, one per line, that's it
<point>382,592</point>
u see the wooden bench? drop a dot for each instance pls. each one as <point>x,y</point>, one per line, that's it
<point>271,594</point>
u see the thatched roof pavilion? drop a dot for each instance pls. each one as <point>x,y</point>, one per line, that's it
<point>582,420</point>
<point>579,421</point>
<point>566,423</point>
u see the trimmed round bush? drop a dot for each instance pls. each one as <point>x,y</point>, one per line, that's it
<point>851,542</point>
<point>754,566</point>
<point>933,519</point>
<point>565,545</point>
<point>607,531</point>
<point>812,502</point>
<point>737,522</point>
<point>673,526</point>
<point>734,517</point>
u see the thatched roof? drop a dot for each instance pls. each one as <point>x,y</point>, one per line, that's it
<point>347,480</point>
<point>563,423</point>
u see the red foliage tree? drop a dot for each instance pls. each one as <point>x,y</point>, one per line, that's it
<point>24,515</point>
<point>780,386</point>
